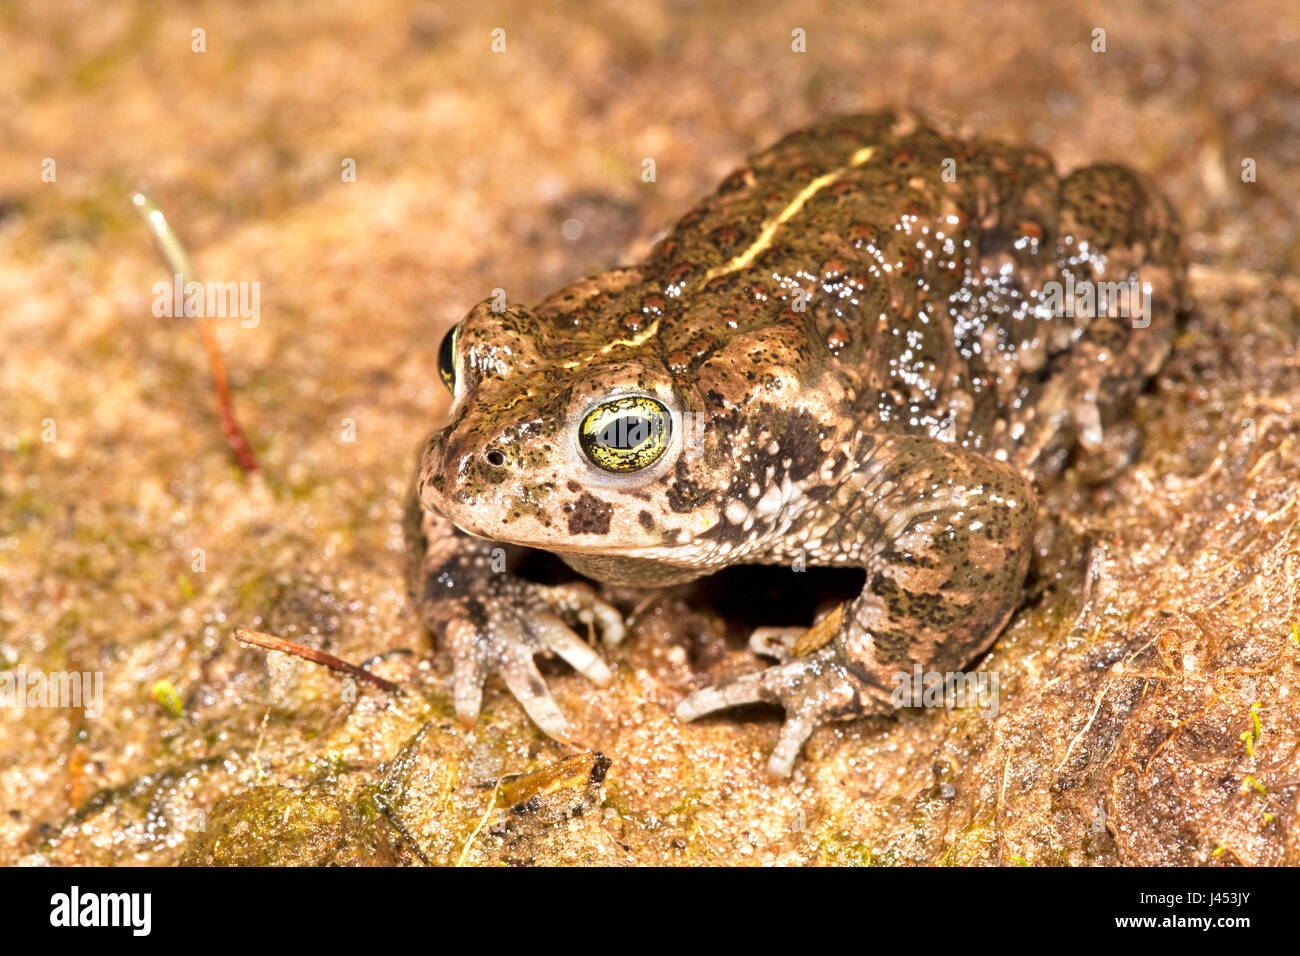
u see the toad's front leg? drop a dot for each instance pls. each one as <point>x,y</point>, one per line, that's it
<point>944,535</point>
<point>493,622</point>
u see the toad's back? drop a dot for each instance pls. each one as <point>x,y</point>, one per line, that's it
<point>959,289</point>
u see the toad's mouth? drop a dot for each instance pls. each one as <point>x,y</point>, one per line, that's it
<point>563,544</point>
<point>620,539</point>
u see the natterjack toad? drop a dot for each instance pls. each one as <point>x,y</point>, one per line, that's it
<point>865,349</point>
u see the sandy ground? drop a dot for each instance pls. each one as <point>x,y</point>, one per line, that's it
<point>1149,709</point>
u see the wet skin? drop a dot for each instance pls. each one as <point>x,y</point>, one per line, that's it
<point>842,357</point>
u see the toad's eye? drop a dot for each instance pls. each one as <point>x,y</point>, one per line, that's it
<point>625,434</point>
<point>447,358</point>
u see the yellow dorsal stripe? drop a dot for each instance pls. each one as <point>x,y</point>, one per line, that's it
<point>749,255</point>
<point>640,338</point>
<point>769,230</point>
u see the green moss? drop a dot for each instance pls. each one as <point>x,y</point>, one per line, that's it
<point>285,826</point>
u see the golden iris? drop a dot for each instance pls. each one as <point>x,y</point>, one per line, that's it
<point>447,357</point>
<point>625,434</point>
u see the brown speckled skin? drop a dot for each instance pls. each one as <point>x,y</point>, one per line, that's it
<point>877,385</point>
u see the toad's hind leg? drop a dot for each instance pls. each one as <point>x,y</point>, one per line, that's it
<point>945,537</point>
<point>1119,240</point>
<point>955,543</point>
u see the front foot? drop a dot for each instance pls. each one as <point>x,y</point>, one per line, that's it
<point>814,690</point>
<point>500,627</point>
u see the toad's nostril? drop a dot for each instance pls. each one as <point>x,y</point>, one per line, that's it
<point>494,458</point>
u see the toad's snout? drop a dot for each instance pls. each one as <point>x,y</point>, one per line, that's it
<point>457,475</point>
